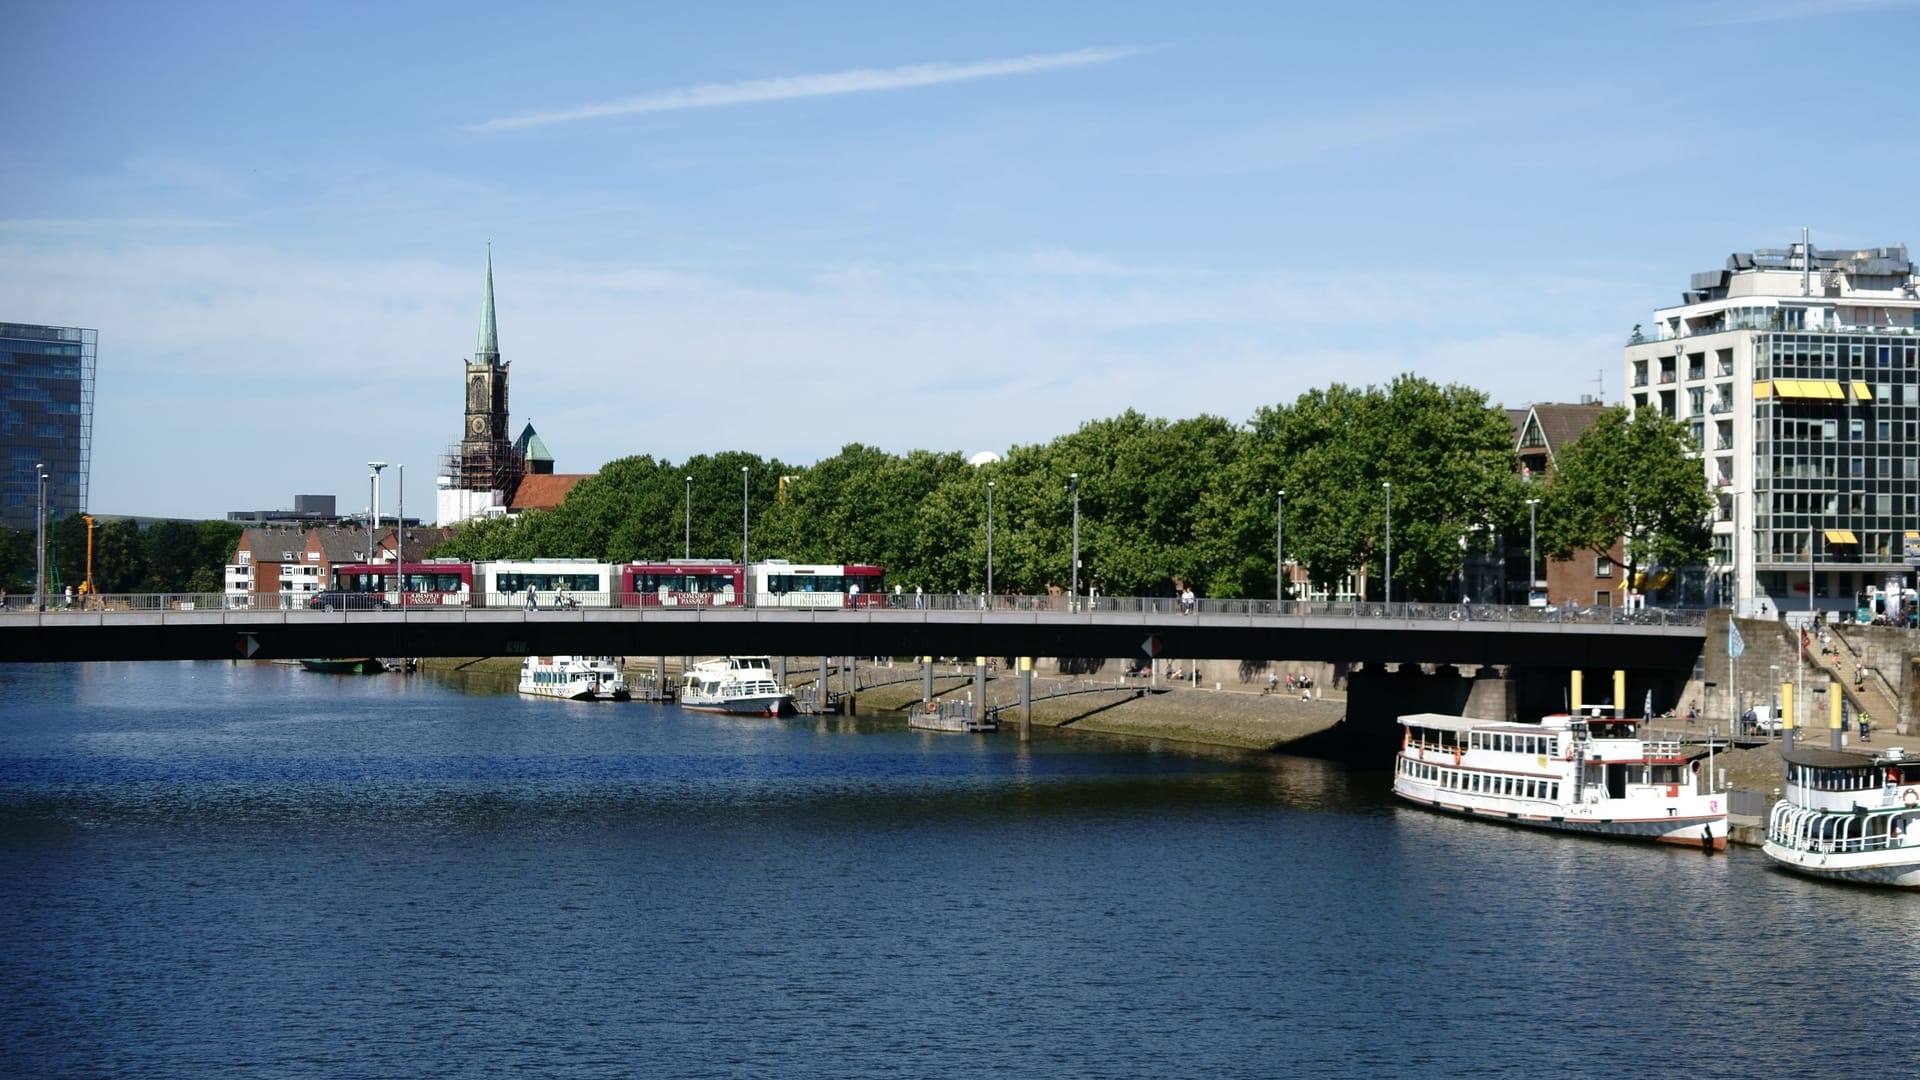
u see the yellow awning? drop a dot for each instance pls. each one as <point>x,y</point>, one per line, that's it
<point>1808,390</point>
<point>1862,392</point>
<point>1762,390</point>
<point>1841,536</point>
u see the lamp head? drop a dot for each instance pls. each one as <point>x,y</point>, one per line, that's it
<point>376,466</point>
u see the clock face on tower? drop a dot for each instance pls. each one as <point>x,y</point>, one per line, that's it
<point>477,425</point>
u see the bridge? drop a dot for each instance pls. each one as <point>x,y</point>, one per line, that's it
<point>1478,634</point>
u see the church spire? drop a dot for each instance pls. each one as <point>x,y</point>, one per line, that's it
<point>487,349</point>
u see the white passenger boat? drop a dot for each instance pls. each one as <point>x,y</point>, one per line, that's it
<point>735,684</point>
<point>1591,775</point>
<point>576,678</point>
<point>952,716</point>
<point>1848,816</point>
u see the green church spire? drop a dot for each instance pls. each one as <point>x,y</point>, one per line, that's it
<point>487,349</point>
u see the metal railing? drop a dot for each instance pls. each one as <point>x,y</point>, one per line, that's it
<point>1407,612</point>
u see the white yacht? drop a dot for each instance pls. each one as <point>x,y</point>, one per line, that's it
<point>735,684</point>
<point>1848,816</point>
<point>1594,775</point>
<point>576,678</point>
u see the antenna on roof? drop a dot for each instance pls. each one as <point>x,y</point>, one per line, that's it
<point>1599,385</point>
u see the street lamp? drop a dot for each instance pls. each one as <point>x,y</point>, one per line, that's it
<point>1073,586</point>
<point>1533,519</point>
<point>1279,549</point>
<point>1387,486</point>
<point>40,543</point>
<point>743,517</point>
<point>989,542</point>
<point>374,526</point>
<point>689,548</point>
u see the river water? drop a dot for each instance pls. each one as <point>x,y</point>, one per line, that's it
<point>214,870</point>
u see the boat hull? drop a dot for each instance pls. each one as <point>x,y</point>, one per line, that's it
<point>1866,868</point>
<point>770,705</point>
<point>361,665</point>
<point>1690,830</point>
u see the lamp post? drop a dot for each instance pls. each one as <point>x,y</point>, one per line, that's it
<point>989,543</point>
<point>688,553</point>
<point>40,543</point>
<point>1073,580</point>
<point>1533,531</point>
<point>373,525</point>
<point>400,543</point>
<point>1279,549</point>
<point>1387,486</point>
<point>743,516</point>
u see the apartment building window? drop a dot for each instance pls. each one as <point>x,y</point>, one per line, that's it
<point>1602,566</point>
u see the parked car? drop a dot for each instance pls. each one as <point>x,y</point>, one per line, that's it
<point>343,600</point>
<point>1762,720</point>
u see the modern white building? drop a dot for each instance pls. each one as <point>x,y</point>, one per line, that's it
<point>1798,370</point>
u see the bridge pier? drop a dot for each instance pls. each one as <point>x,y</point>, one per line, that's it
<point>1026,699</point>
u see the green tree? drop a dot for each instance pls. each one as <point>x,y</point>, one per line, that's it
<point>173,554</point>
<point>1446,452</point>
<point>120,557</point>
<point>1628,480</point>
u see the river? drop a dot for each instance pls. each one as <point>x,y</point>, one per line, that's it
<point>219,870</point>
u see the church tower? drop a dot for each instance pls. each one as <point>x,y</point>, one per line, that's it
<point>480,477</point>
<point>486,420</point>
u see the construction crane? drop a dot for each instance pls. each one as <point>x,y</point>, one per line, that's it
<point>86,587</point>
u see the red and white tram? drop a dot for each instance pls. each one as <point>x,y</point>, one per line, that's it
<point>682,583</point>
<point>778,583</point>
<point>433,583</point>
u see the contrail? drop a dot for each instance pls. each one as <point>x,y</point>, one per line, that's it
<point>858,81</point>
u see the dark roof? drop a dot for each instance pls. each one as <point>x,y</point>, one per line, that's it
<point>1559,425</point>
<point>1822,758</point>
<point>339,545</point>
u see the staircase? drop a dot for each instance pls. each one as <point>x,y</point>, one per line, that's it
<point>1874,696</point>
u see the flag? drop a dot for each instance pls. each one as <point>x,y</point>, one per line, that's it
<point>1735,646</point>
<point>1803,639</point>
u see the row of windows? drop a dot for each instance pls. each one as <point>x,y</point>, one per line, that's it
<point>1519,787</point>
<point>517,583</point>
<point>1514,744</point>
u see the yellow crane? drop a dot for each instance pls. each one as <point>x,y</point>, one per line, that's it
<point>86,587</point>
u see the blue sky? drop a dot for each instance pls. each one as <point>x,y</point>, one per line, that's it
<point>781,228</point>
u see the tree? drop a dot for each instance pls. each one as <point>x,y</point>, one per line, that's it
<point>1447,453</point>
<point>1628,480</point>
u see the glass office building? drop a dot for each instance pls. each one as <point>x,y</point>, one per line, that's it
<point>46,419</point>
<point>1797,371</point>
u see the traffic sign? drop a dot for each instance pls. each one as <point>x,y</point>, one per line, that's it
<point>246,645</point>
<point>1151,646</point>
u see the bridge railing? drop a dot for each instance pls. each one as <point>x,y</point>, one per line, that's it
<point>1411,612</point>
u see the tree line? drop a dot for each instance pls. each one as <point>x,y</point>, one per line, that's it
<point>165,556</point>
<point>1161,504</point>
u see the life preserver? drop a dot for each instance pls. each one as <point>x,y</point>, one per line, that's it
<point>1911,798</point>
<point>933,706</point>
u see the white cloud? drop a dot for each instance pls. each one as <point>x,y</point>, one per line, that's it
<point>235,376</point>
<point>858,81</point>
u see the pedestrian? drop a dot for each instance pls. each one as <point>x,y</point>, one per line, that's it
<point>3,598</point>
<point>1866,727</point>
<point>533,599</point>
<point>1273,682</point>
<point>1306,694</point>
<point>853,595</point>
<point>1693,711</point>
<point>68,605</point>
<point>1859,673</point>
<point>916,597</point>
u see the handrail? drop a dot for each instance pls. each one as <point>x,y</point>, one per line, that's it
<point>1205,610</point>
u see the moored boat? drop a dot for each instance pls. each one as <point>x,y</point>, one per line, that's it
<point>1593,775</point>
<point>952,716</point>
<point>1848,816</point>
<point>575,678</point>
<point>735,684</point>
<point>351,665</point>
